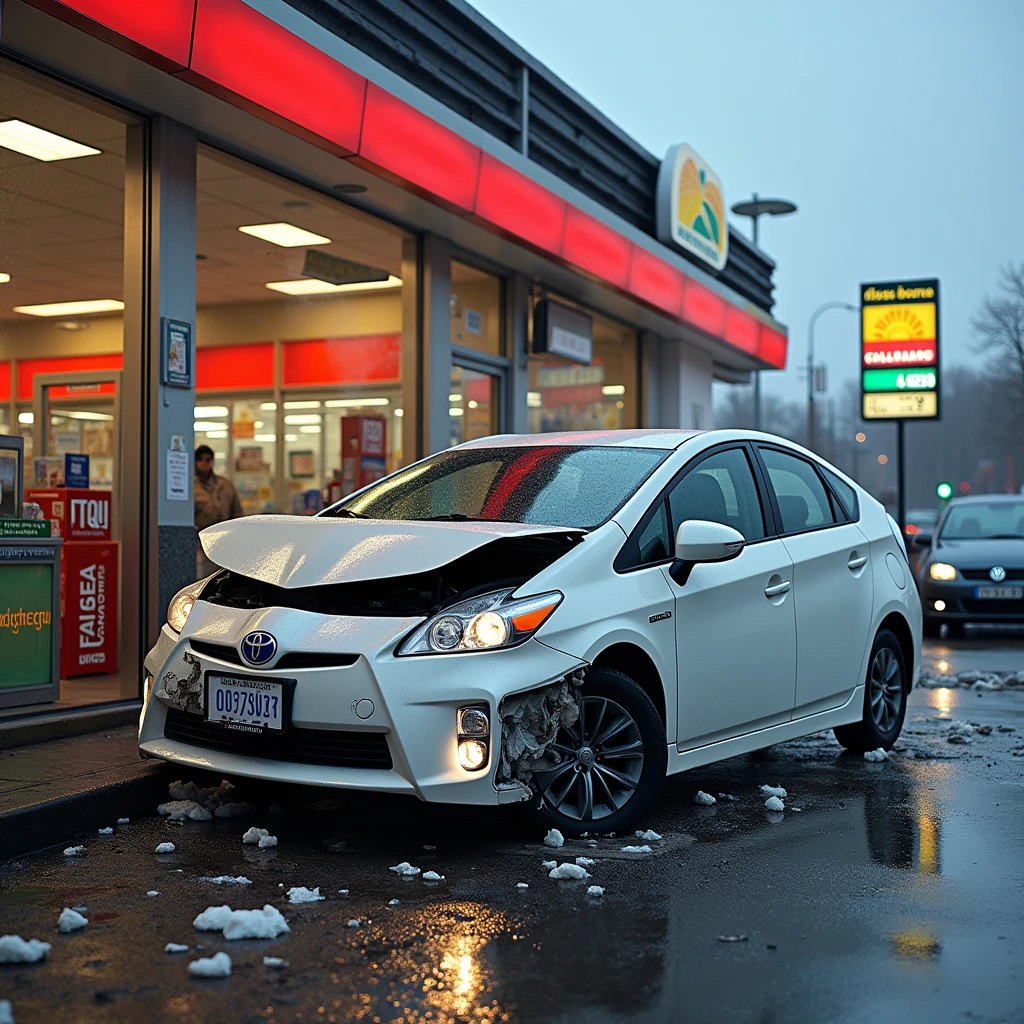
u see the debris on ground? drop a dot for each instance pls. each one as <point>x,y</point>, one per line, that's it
<point>122,821</point>
<point>166,848</point>
<point>196,803</point>
<point>973,680</point>
<point>267,923</point>
<point>432,876</point>
<point>226,879</point>
<point>568,870</point>
<point>175,947</point>
<point>108,831</point>
<point>637,849</point>
<point>212,919</point>
<point>6,1013</point>
<point>70,920</point>
<point>300,894</point>
<point>704,799</point>
<point>963,728</point>
<point>650,835</point>
<point>392,903</point>
<point>878,754</point>
<point>983,730</point>
<point>74,851</point>
<point>547,865</point>
<point>957,737</point>
<point>585,862</point>
<point>254,835</point>
<point>729,797</point>
<point>774,791</point>
<point>353,923</point>
<point>344,892</point>
<point>554,839</point>
<point>216,966</point>
<point>184,810</point>
<point>522,885</point>
<point>274,961</point>
<point>404,870</point>
<point>773,803</point>
<point>16,950</point>
<point>153,892</point>
<point>595,890</point>
<point>266,842</point>
<point>733,938</point>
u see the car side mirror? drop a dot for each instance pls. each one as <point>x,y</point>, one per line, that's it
<point>698,540</point>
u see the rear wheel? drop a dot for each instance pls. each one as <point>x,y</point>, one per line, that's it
<point>613,759</point>
<point>885,699</point>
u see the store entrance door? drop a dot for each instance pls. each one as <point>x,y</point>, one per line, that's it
<point>76,477</point>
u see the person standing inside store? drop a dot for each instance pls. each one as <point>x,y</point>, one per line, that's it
<point>216,501</point>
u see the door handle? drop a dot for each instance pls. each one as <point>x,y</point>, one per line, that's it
<point>856,563</point>
<point>779,588</point>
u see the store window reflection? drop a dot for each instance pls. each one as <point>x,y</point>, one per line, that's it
<point>476,309</point>
<point>472,405</point>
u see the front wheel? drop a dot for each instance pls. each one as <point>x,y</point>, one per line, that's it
<point>613,759</point>
<point>885,699</point>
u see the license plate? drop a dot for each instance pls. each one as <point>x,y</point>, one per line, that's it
<point>999,593</point>
<point>251,705</point>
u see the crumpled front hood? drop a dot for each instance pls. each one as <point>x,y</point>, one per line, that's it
<point>296,551</point>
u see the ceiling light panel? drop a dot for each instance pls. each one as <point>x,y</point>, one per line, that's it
<point>40,144</point>
<point>310,286</point>
<point>72,308</point>
<point>286,235</point>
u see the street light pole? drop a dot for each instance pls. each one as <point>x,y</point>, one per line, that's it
<point>823,308</point>
<point>755,208</point>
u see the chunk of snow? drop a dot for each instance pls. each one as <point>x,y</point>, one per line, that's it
<point>704,799</point>
<point>108,831</point>
<point>122,821</point>
<point>233,810</point>
<point>175,947</point>
<point>344,892</point>
<point>74,851</point>
<point>585,862</point>
<point>964,728</point>
<point>568,870</point>
<point>267,841</point>
<point>353,923</point>
<point>392,903</point>
<point>300,894</point>
<point>267,923</point>
<point>637,849</point>
<point>554,839</point>
<point>212,919</point>
<point>182,810</point>
<point>729,797</point>
<point>216,966</point>
<point>879,754</point>
<point>547,865</point>
<point>165,848</point>
<point>70,920</point>
<point>595,890</point>
<point>773,803</point>
<point>430,876</point>
<point>254,835</point>
<point>274,961</point>
<point>405,869</point>
<point>650,835</point>
<point>522,885</point>
<point>429,846</point>
<point>16,950</point>
<point>226,879</point>
<point>153,892</point>
<point>774,791</point>
<point>6,1013</point>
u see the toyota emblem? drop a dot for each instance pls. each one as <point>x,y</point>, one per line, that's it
<point>258,647</point>
<point>997,574</point>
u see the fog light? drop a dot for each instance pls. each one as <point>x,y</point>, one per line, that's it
<point>472,754</point>
<point>473,722</point>
<point>940,606</point>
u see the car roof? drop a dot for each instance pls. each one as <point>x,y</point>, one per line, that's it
<point>589,438</point>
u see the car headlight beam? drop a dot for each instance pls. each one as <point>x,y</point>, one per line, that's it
<point>942,571</point>
<point>181,604</point>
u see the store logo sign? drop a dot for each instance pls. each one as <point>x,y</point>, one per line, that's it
<point>691,207</point>
<point>90,514</point>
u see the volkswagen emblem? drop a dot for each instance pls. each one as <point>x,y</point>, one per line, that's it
<point>258,647</point>
<point>997,574</point>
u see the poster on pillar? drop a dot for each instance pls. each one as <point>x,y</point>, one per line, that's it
<point>88,621</point>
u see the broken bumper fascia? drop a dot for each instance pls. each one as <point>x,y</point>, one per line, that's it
<point>415,701</point>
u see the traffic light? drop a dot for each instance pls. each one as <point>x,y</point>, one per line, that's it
<point>944,491</point>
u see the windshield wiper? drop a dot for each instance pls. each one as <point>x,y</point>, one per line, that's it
<point>347,513</point>
<point>452,517</point>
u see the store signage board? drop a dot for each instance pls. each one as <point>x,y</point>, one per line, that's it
<point>325,266</point>
<point>691,207</point>
<point>176,357</point>
<point>900,350</point>
<point>563,331</point>
<point>76,470</point>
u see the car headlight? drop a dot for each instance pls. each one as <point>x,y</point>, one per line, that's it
<point>942,571</point>
<point>182,602</point>
<point>481,624</point>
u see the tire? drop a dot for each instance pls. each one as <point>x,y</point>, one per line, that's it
<point>885,699</point>
<point>623,785</point>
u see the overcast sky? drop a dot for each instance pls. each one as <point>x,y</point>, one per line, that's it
<point>897,128</point>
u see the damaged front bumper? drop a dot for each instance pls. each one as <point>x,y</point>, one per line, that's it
<point>527,690</point>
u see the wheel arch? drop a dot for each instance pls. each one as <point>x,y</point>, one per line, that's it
<point>900,628</point>
<point>636,663</point>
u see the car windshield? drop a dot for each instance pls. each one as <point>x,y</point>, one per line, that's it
<point>550,485</point>
<point>980,520</point>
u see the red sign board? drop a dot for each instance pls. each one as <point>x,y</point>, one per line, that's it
<point>75,514</point>
<point>88,602</point>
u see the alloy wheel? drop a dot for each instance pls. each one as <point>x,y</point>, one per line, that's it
<point>885,682</point>
<point>602,759</point>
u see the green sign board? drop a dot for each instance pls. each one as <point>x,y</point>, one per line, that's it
<point>900,380</point>
<point>26,624</point>
<point>25,528</point>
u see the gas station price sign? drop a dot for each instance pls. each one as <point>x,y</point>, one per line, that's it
<point>900,350</point>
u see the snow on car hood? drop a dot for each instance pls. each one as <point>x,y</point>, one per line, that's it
<point>292,551</point>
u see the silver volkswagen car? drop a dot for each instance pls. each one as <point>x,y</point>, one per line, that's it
<point>558,618</point>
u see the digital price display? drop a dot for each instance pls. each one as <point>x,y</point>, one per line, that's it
<point>900,350</point>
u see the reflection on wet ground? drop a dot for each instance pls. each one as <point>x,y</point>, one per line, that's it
<point>888,891</point>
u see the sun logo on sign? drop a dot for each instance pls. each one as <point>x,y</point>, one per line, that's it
<point>898,325</point>
<point>700,204</point>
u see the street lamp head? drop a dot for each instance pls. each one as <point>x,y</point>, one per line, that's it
<point>757,207</point>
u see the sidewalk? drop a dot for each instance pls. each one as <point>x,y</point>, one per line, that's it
<point>50,791</point>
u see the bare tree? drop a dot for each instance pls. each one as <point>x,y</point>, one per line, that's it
<point>999,330</point>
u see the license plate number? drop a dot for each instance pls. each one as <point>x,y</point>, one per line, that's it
<point>999,593</point>
<point>258,703</point>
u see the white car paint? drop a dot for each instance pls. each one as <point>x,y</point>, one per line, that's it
<point>737,670</point>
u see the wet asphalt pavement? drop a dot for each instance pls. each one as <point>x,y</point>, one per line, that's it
<point>895,892</point>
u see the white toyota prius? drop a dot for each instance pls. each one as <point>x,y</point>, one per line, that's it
<point>559,618</point>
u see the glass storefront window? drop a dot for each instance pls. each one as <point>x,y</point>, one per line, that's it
<point>565,395</point>
<point>476,309</point>
<point>472,405</point>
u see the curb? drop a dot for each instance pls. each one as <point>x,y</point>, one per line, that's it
<point>134,794</point>
<point>59,725</point>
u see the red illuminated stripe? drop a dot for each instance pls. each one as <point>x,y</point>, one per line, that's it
<point>5,382</point>
<point>248,57</point>
<point>704,309</point>
<point>742,331</point>
<point>655,281</point>
<point>508,483</point>
<point>772,347</point>
<point>235,367</point>
<point>160,29</point>
<point>596,248</point>
<point>899,353</point>
<point>366,359</point>
<point>412,148</point>
<point>515,204</point>
<point>28,368</point>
